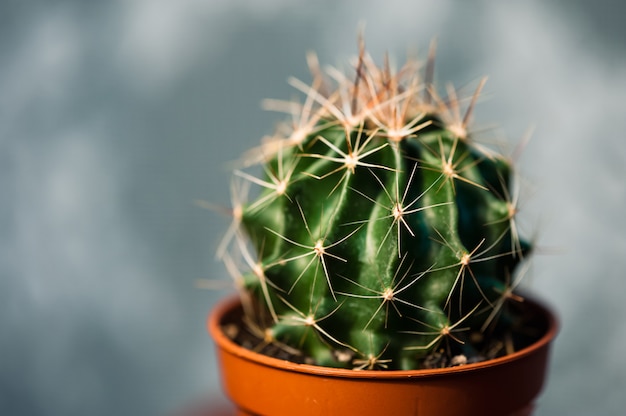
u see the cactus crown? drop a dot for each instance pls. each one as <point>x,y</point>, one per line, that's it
<point>383,235</point>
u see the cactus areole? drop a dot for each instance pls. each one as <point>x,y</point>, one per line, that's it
<point>382,235</point>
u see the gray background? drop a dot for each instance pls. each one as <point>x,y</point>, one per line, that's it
<point>115,116</point>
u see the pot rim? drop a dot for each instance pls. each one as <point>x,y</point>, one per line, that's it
<point>224,306</point>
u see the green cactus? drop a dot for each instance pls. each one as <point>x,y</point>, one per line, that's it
<point>383,233</point>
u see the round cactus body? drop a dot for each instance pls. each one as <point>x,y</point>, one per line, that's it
<point>383,233</point>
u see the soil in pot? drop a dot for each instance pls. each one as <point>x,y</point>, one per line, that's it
<point>499,342</point>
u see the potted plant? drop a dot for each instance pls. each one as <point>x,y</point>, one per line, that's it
<point>378,264</point>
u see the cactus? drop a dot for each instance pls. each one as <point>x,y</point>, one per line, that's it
<point>383,234</point>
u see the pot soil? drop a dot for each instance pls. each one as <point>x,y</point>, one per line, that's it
<point>260,384</point>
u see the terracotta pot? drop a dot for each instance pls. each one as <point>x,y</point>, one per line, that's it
<point>259,384</point>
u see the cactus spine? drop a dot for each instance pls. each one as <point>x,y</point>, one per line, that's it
<point>382,231</point>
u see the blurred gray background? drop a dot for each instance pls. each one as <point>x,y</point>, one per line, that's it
<point>116,116</point>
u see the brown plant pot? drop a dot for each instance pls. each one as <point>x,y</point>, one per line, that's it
<point>259,384</point>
